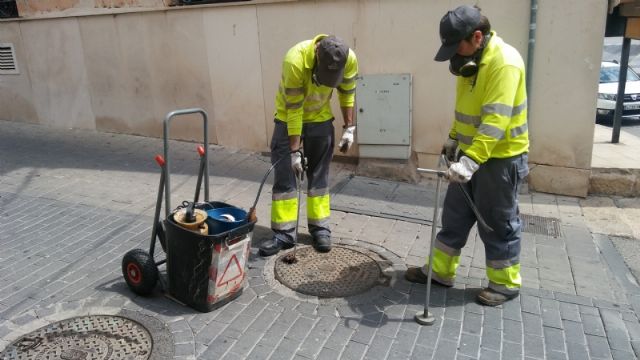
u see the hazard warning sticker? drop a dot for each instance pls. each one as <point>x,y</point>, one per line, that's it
<point>231,272</point>
<point>228,269</point>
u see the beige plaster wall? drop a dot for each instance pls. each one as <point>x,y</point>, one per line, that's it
<point>564,89</point>
<point>54,62</point>
<point>16,96</point>
<point>142,66</point>
<point>235,73</point>
<point>124,72</point>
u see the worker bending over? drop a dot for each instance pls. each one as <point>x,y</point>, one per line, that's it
<point>310,71</point>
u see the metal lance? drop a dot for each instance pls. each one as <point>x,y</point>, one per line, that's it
<point>425,317</point>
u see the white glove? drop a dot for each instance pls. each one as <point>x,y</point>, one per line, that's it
<point>347,138</point>
<point>449,149</point>
<point>462,170</point>
<point>296,163</point>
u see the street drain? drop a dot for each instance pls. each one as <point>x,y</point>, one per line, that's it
<point>341,272</point>
<point>541,225</point>
<point>97,337</point>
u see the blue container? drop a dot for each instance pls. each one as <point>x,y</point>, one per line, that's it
<point>224,219</point>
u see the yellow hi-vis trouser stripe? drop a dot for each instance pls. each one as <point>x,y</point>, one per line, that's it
<point>318,208</point>
<point>444,266</point>
<point>284,213</point>
<point>506,280</point>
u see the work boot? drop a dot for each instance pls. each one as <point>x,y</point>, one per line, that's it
<point>322,243</point>
<point>273,246</point>
<point>491,297</point>
<point>414,274</point>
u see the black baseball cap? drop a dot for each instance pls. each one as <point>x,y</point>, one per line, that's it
<point>456,26</point>
<point>332,55</point>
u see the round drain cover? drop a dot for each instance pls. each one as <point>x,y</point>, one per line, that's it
<point>341,272</point>
<point>82,338</point>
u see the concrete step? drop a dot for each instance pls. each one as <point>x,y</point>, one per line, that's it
<point>613,181</point>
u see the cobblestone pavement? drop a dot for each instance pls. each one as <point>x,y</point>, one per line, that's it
<point>73,202</point>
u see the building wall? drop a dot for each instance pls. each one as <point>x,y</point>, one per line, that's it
<point>123,71</point>
<point>564,90</point>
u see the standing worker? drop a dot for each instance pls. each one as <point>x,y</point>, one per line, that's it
<point>310,71</point>
<point>490,130</point>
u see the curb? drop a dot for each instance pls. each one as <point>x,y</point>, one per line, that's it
<point>619,268</point>
<point>620,182</point>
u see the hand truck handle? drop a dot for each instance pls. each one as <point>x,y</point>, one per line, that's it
<point>160,160</point>
<point>167,183</point>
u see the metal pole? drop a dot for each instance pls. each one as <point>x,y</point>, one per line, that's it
<point>167,187</point>
<point>622,82</point>
<point>533,15</point>
<point>425,317</point>
<point>196,197</point>
<point>299,181</point>
<point>167,181</point>
<point>156,216</point>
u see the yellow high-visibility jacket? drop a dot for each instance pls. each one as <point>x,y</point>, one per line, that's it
<point>491,107</point>
<point>298,99</point>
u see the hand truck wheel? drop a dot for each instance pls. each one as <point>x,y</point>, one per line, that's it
<point>139,271</point>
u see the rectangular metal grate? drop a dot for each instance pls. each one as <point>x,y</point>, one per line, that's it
<point>8,64</point>
<point>541,225</point>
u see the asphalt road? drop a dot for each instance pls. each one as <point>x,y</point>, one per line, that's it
<point>612,48</point>
<point>629,126</point>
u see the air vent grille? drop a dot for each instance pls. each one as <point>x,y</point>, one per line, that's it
<point>8,64</point>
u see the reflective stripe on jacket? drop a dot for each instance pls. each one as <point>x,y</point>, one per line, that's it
<point>298,99</point>
<point>491,107</point>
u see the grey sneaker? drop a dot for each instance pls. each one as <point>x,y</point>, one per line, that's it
<point>322,243</point>
<point>273,246</point>
<point>414,274</point>
<point>491,297</point>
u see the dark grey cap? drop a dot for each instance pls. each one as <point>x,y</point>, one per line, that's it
<point>332,55</point>
<point>456,26</point>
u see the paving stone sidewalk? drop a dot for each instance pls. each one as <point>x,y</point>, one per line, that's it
<point>73,202</point>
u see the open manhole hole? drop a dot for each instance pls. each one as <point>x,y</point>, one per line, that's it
<point>98,337</point>
<point>341,272</point>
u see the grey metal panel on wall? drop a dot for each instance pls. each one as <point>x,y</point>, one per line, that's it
<point>384,115</point>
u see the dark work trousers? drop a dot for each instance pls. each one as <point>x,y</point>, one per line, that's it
<point>318,140</point>
<point>494,190</point>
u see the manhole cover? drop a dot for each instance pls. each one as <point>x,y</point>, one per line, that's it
<point>341,272</point>
<point>83,338</point>
<point>541,225</point>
